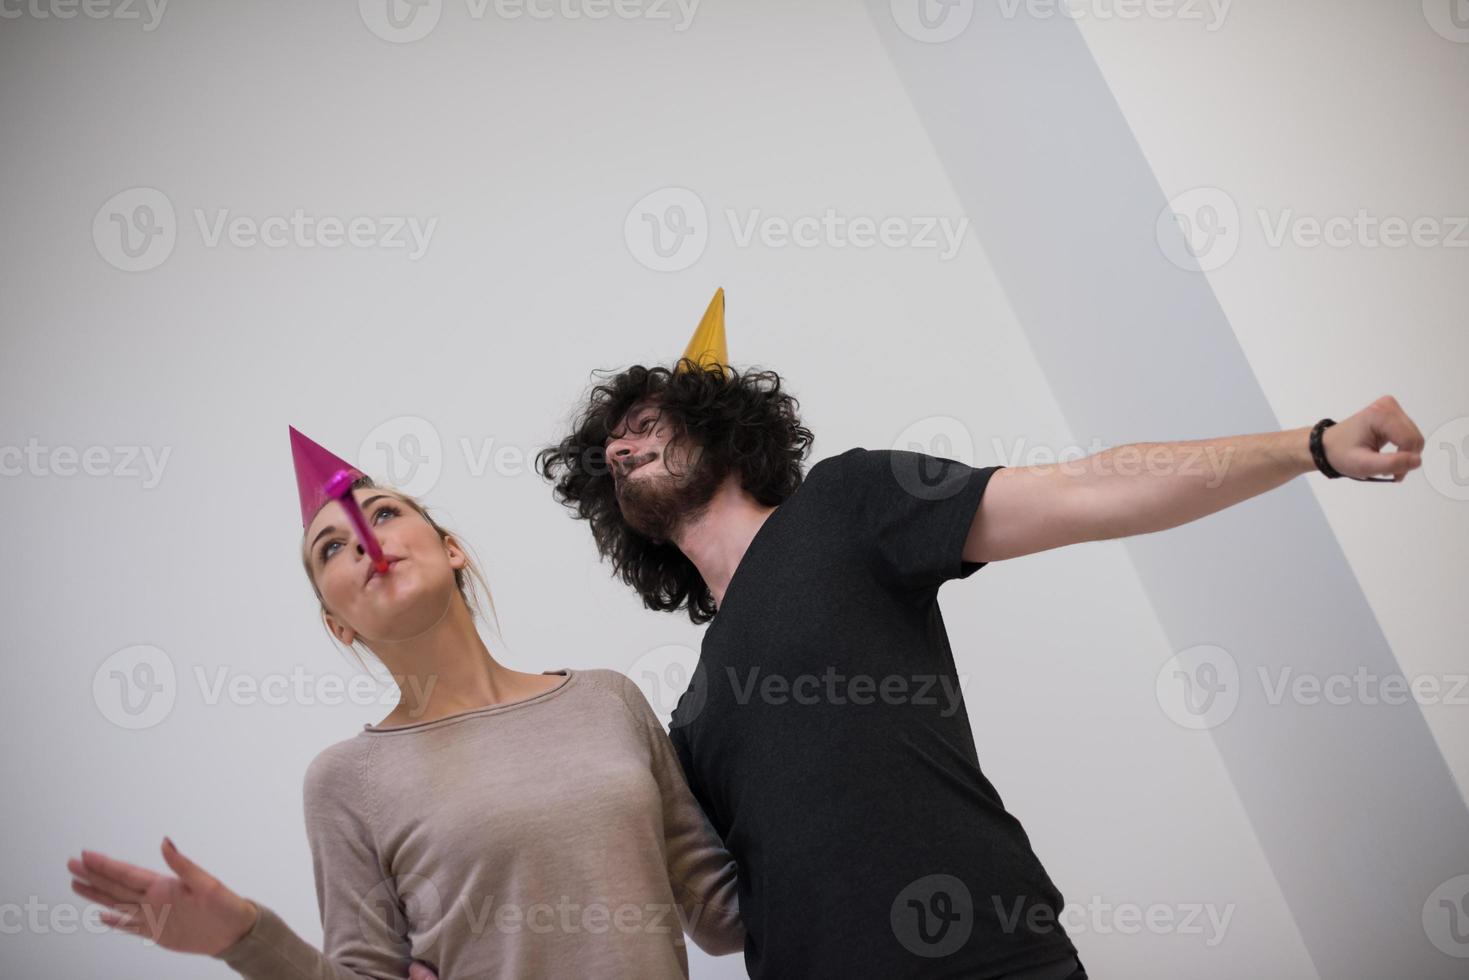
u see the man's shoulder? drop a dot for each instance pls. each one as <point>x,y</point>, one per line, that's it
<point>838,466</point>
<point>852,470</point>
<point>842,459</point>
<point>874,480</point>
<point>831,481</point>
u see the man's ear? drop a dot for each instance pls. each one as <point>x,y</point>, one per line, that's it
<point>344,633</point>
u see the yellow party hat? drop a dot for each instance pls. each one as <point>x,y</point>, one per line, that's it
<point>707,347</point>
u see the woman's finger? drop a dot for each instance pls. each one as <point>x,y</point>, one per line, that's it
<point>78,870</point>
<point>104,884</point>
<point>122,923</point>
<point>130,876</point>
<point>97,895</point>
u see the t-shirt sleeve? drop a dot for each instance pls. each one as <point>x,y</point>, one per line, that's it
<point>363,925</point>
<point>701,872</point>
<point>911,512</point>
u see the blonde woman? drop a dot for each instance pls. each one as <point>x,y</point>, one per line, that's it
<point>496,823</point>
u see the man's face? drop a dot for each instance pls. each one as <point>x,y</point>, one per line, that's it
<point>660,479</point>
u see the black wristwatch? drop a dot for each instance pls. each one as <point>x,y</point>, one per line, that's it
<point>1318,453</point>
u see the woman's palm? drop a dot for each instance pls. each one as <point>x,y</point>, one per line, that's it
<point>191,913</point>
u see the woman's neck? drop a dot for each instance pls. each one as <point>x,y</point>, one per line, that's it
<point>449,669</point>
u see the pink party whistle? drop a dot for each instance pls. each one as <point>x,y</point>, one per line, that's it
<point>339,487</point>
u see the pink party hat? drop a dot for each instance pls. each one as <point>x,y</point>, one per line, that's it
<point>319,475</point>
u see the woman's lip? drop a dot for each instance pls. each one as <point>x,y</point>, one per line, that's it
<point>372,572</point>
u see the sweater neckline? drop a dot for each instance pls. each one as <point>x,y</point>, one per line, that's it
<point>489,709</point>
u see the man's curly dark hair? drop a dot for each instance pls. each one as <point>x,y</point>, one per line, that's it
<point>742,424</point>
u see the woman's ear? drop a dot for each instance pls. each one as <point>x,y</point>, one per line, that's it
<point>345,634</point>
<point>456,554</point>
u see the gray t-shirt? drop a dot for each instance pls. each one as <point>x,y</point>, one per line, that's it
<point>550,837</point>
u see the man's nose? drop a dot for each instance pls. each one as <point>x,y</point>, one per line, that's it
<point>619,450</point>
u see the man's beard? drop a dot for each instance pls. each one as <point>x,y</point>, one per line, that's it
<point>655,506</point>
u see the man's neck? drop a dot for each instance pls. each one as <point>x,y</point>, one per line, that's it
<point>716,540</point>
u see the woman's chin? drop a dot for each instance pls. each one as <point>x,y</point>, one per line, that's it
<point>403,611</point>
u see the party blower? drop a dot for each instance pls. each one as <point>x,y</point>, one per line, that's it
<point>323,476</point>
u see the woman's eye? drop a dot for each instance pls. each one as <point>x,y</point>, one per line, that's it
<point>328,549</point>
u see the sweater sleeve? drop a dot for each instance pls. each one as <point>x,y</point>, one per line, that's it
<point>701,871</point>
<point>363,924</point>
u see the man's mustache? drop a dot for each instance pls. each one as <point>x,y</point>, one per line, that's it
<point>624,465</point>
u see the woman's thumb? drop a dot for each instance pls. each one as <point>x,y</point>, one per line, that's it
<point>189,872</point>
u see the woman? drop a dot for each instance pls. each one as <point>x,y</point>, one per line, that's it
<point>496,823</point>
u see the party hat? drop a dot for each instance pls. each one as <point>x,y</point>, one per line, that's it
<point>315,470</point>
<point>707,348</point>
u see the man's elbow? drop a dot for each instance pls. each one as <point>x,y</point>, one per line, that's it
<point>716,929</point>
<point>720,938</point>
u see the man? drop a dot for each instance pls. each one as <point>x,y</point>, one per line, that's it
<point>824,732</point>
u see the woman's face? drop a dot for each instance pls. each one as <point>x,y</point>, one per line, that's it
<point>406,600</point>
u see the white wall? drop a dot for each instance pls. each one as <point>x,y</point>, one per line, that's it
<point>1315,111</point>
<point>529,141</point>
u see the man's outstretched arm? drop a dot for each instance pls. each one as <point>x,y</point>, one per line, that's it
<point>1145,487</point>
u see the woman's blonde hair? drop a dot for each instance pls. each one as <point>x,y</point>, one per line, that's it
<point>469,579</point>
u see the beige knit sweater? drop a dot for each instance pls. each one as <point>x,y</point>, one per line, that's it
<point>552,837</point>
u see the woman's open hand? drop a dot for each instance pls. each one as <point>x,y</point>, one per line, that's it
<point>191,913</point>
